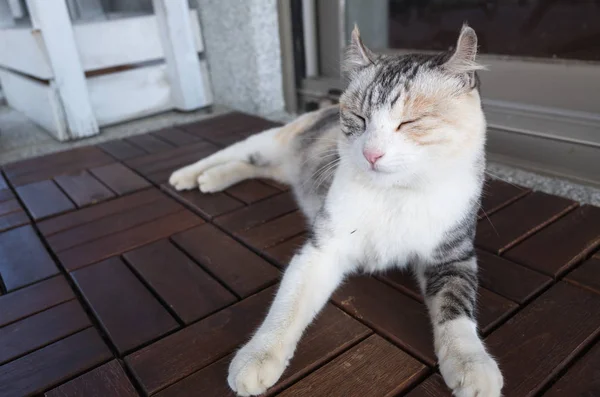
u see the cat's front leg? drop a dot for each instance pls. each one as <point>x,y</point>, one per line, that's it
<point>310,279</point>
<point>450,291</point>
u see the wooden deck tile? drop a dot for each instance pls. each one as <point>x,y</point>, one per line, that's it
<point>514,223</point>
<point>119,178</point>
<point>558,247</point>
<point>9,206</point>
<point>498,194</point>
<point>52,364</point>
<point>434,386</point>
<point>587,275</point>
<point>541,339</point>
<point>149,143</point>
<point>233,264</point>
<point>332,332</point>
<point>373,368</point>
<point>276,231</point>
<point>33,299</point>
<point>108,380</point>
<point>31,333</point>
<point>188,290</point>
<point>121,149</point>
<point>207,205</point>
<point>23,258</point>
<point>251,191</point>
<point>13,219</point>
<point>186,351</point>
<point>44,199</point>
<point>176,136</point>
<point>127,311</point>
<point>583,379</point>
<point>83,188</point>
<point>283,253</point>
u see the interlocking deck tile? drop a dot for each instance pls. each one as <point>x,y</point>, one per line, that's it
<point>512,224</point>
<point>391,313</point>
<point>434,386</point>
<point>233,264</point>
<point>119,178</point>
<point>556,248</point>
<point>33,299</point>
<point>251,191</point>
<point>83,188</point>
<point>207,205</point>
<point>90,214</point>
<point>583,379</point>
<point>498,194</point>
<point>40,329</point>
<point>127,311</point>
<point>44,199</point>
<point>188,290</point>
<point>121,149</point>
<point>52,364</point>
<point>508,279</point>
<point>176,137</point>
<point>276,231</point>
<point>539,341</point>
<point>587,275</point>
<point>333,332</point>
<point>374,367</point>
<point>108,380</point>
<point>186,351</point>
<point>258,213</point>
<point>283,253</point>
<point>149,143</point>
<point>23,258</point>
<point>126,240</point>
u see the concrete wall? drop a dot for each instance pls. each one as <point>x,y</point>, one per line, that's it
<point>243,53</point>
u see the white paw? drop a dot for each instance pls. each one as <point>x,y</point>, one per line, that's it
<point>183,179</point>
<point>475,375</point>
<point>252,371</point>
<point>212,181</point>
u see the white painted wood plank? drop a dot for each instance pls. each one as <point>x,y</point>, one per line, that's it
<point>183,65</point>
<point>38,101</point>
<point>22,49</point>
<point>130,94</point>
<point>16,9</point>
<point>126,41</point>
<point>52,19</point>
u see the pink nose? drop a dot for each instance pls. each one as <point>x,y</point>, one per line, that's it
<point>372,156</point>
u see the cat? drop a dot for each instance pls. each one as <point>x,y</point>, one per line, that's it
<point>391,177</point>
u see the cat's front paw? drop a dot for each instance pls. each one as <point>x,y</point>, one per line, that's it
<point>475,375</point>
<point>253,370</point>
<point>183,179</point>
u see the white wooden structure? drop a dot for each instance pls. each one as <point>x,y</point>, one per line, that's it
<point>74,68</point>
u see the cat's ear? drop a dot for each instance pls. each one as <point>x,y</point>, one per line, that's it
<point>357,55</point>
<point>462,60</point>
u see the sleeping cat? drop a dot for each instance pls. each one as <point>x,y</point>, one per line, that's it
<point>391,177</point>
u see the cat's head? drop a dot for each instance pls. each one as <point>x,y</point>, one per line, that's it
<point>408,118</point>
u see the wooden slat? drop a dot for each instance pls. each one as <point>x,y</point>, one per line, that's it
<point>508,279</point>
<point>52,364</point>
<point>5,193</point>
<point>9,206</point>
<point>583,379</point>
<point>149,143</point>
<point>13,220</point>
<point>587,275</point>
<point>283,252</point>
<point>44,199</point>
<point>127,311</point>
<point>176,137</point>
<point>33,299</point>
<point>171,159</point>
<point>256,214</point>
<point>373,368</point>
<point>541,339</point>
<point>119,178</point>
<point>23,258</point>
<point>498,194</point>
<point>31,333</point>
<point>391,313</point>
<point>516,222</point>
<point>91,214</point>
<point>121,149</point>
<point>107,380</point>
<point>207,205</point>
<point>192,348</point>
<point>275,231</point>
<point>114,244</point>
<point>3,184</point>
<point>251,191</point>
<point>235,265</point>
<point>83,188</point>
<point>333,332</point>
<point>188,290</point>
<point>112,224</point>
<point>433,386</point>
<point>558,247</point>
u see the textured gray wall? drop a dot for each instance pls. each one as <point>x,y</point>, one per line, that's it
<point>242,48</point>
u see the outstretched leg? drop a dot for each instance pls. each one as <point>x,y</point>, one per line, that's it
<point>308,282</point>
<point>450,291</point>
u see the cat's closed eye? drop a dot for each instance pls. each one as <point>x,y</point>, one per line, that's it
<point>358,116</point>
<point>406,123</point>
